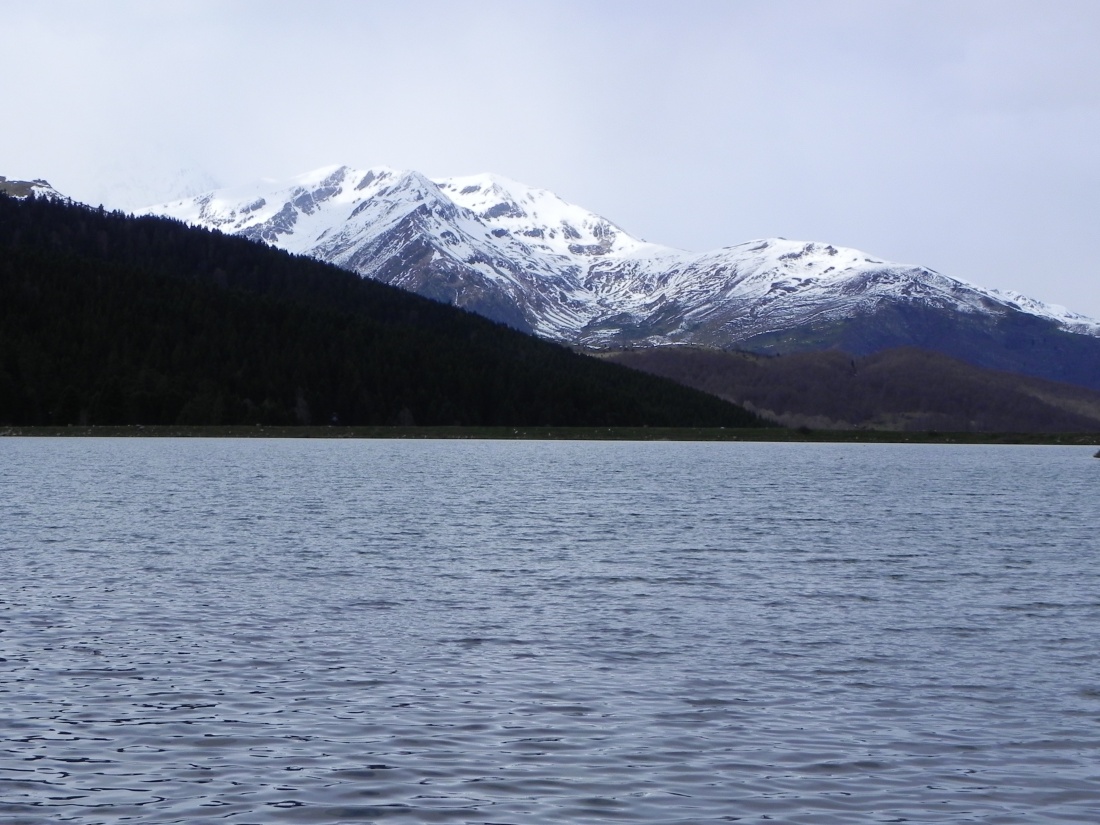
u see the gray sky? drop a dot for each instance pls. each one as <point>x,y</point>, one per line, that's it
<point>961,135</point>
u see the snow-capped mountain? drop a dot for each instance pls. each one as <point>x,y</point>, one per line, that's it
<point>130,188</point>
<point>523,256</point>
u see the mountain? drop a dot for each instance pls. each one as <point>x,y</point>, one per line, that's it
<point>112,319</point>
<point>134,185</point>
<point>26,188</point>
<point>525,257</point>
<point>486,244</point>
<point>895,389</point>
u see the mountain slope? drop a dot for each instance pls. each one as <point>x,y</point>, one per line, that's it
<point>26,188</point>
<point>112,319</point>
<point>895,389</point>
<point>523,256</point>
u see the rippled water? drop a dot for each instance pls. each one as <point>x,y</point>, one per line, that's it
<point>543,632</point>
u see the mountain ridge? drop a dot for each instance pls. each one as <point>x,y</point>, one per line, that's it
<point>408,222</point>
<point>525,256</point>
<point>20,189</point>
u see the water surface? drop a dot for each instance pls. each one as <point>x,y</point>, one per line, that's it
<point>249,631</point>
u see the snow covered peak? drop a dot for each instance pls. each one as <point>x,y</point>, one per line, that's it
<point>132,188</point>
<point>527,257</point>
<point>538,216</point>
<point>491,196</point>
<point>1071,321</point>
<point>297,213</point>
<point>801,253</point>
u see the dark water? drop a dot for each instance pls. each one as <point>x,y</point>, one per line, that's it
<point>483,632</point>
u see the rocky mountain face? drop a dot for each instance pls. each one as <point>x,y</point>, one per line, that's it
<point>525,257</point>
<point>25,188</point>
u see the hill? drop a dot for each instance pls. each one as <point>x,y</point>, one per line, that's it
<point>896,389</point>
<point>112,319</point>
<point>26,188</point>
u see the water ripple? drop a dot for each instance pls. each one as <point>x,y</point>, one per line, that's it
<point>463,632</point>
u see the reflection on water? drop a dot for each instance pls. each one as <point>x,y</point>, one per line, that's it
<point>485,632</point>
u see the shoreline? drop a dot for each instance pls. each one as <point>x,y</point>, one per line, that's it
<point>551,433</point>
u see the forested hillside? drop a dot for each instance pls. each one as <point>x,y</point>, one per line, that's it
<point>897,389</point>
<point>111,319</point>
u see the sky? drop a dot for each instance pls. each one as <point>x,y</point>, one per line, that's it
<point>961,135</point>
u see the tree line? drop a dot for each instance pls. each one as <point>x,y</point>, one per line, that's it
<point>110,319</point>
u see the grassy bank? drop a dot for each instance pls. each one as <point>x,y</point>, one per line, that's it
<point>558,433</point>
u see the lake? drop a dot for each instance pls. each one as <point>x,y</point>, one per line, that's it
<point>316,631</point>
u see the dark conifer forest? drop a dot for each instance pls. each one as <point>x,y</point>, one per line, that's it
<point>111,319</point>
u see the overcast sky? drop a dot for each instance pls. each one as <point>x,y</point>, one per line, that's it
<point>961,135</point>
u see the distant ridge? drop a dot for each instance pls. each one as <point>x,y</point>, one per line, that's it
<point>896,389</point>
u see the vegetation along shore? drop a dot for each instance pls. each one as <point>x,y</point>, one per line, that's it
<point>801,434</point>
